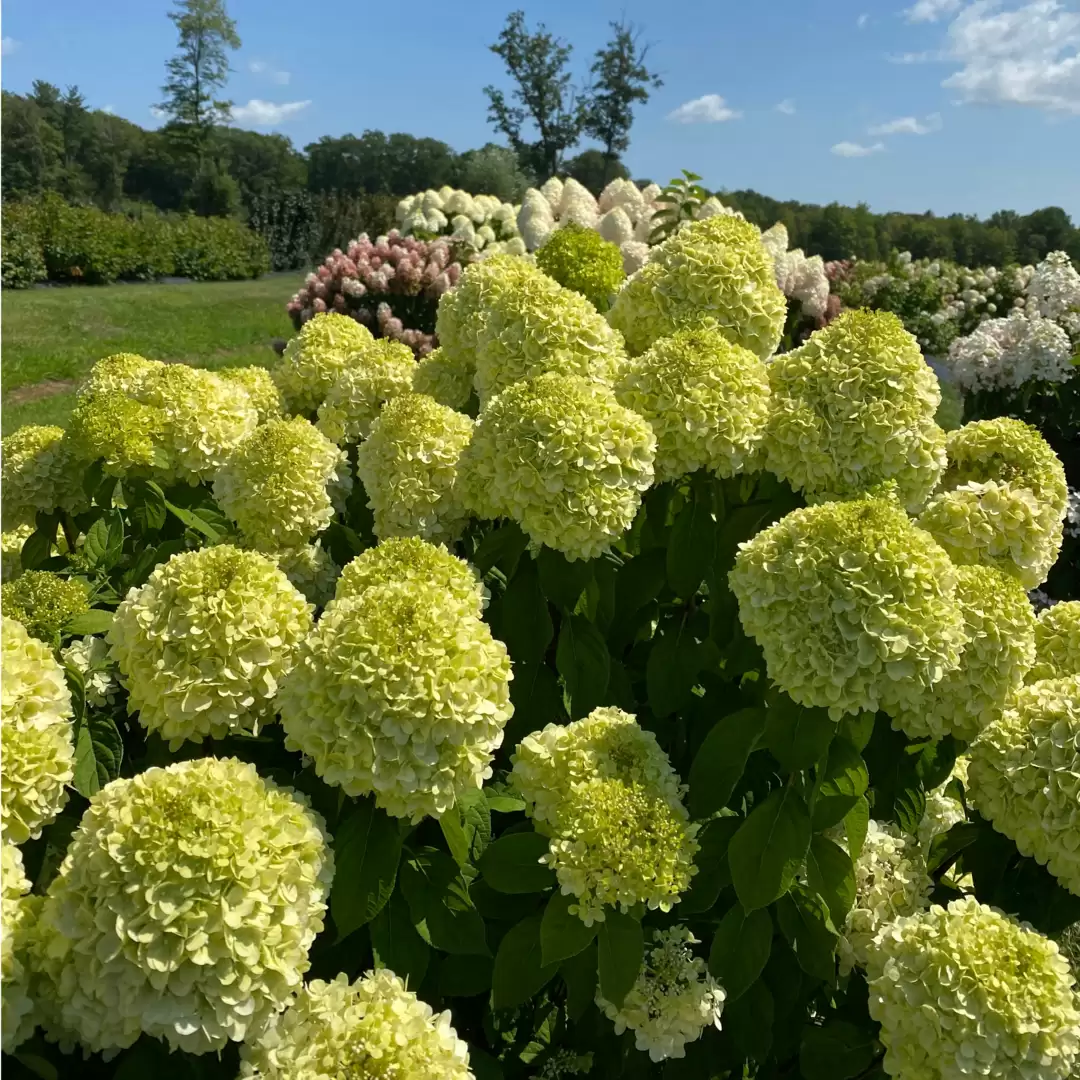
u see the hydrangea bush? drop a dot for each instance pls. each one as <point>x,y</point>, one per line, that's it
<point>603,694</point>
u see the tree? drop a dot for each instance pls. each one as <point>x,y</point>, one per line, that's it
<point>593,169</point>
<point>31,148</point>
<point>491,170</point>
<point>262,165</point>
<point>199,70</point>
<point>620,80</point>
<point>537,62</point>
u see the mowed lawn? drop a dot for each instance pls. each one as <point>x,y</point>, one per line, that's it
<point>51,337</point>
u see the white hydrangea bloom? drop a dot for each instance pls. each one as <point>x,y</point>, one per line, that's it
<point>635,254</point>
<point>616,226</point>
<point>775,240</point>
<point>1002,353</point>
<point>577,204</point>
<point>552,190</point>
<point>90,656</point>
<point>1055,286</point>
<point>712,207</point>
<point>536,219</point>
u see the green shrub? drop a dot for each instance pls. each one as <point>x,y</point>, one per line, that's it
<point>288,222</point>
<point>217,249</point>
<point>21,250</point>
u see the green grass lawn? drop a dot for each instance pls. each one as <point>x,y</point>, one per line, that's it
<point>51,337</point>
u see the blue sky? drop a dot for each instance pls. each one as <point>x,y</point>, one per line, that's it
<point>943,105</point>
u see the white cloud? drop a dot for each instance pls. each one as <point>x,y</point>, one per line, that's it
<point>7,46</point>
<point>787,107</point>
<point>266,113</point>
<point>261,67</point>
<point>932,10</point>
<point>110,109</point>
<point>156,113</point>
<point>862,20</point>
<point>929,56</point>
<point>853,149</point>
<point>908,125</point>
<point>710,109</point>
<point>1025,56</point>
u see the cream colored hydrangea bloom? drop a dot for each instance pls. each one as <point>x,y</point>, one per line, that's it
<point>261,389</point>
<point>184,909</point>
<point>853,407</point>
<point>311,569</point>
<point>375,375</point>
<point>37,472</point>
<point>373,1027</point>
<point>118,373</point>
<point>717,269</point>
<point>277,485</point>
<point>409,468</point>
<point>89,656</point>
<point>446,379</point>
<point>11,545</point>
<point>203,645</point>
<point>967,991</point>
<point>118,431</point>
<point>890,881</point>
<point>315,357</point>
<point>1057,642</point>
<point>943,808</point>
<point>1024,775</point>
<point>673,1000</point>
<point>606,796</point>
<point>35,735</point>
<point>1000,629</point>
<point>562,458</point>
<point>854,607</point>
<point>400,693</point>
<point>19,916</point>
<point>706,399</point>
<point>1002,500</point>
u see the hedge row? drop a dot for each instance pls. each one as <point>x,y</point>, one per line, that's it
<point>46,239</point>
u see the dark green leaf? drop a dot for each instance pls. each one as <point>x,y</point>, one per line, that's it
<point>638,582</point>
<point>621,946</point>
<point>194,521</point>
<point>475,814</point>
<point>909,806</point>
<point>396,943</point>
<point>804,918</point>
<point>582,660</point>
<point>342,543</point>
<point>519,971</point>
<point>936,762</point>
<point>836,1051</point>
<point>93,479</point>
<point>95,621</point>
<point>483,1066</point>
<point>37,548</point>
<point>740,949</point>
<point>146,505</point>
<point>104,543</point>
<point>537,700</point>
<point>523,619</point>
<point>502,547</point>
<point>511,864</point>
<point>149,1057</point>
<point>562,581</point>
<point>713,873</point>
<point>693,543</point>
<point>721,759</point>
<point>857,728</point>
<point>831,874</point>
<point>99,752</point>
<point>856,824</point>
<point>749,1019</point>
<point>454,834</point>
<point>674,663</point>
<point>580,973</point>
<point>465,976</point>
<point>439,901</point>
<point>367,849</point>
<point>563,934</point>
<point>796,736</point>
<point>947,845</point>
<point>769,848</point>
<point>842,781</point>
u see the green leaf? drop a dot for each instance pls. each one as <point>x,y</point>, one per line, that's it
<point>693,543</point>
<point>639,582</point>
<point>99,752</point>
<point>796,736</point>
<point>194,521</point>
<point>501,547</point>
<point>856,825</point>
<point>146,505</point>
<point>857,728</point>
<point>740,949</point>
<point>465,976</point>
<point>104,543</point>
<point>831,873</point>
<point>37,547</point>
<point>563,934</point>
<point>804,918</point>
<point>396,944</point>
<point>713,874</point>
<point>519,971</point>
<point>909,807</point>
<point>674,663</point>
<point>504,802</point>
<point>475,812</point>
<point>843,780</point>
<point>580,974</point>
<point>947,845</point>
<point>934,765</point>
<point>749,1019</point>
<point>439,901</point>
<point>523,619</point>
<point>582,660</point>
<point>367,849</point>
<point>769,848</point>
<point>562,581</point>
<point>511,864</point>
<point>94,621</point>
<point>454,834</point>
<point>621,945</point>
<point>537,700</point>
<point>837,1050</point>
<point>721,760</point>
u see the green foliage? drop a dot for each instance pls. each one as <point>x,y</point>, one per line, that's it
<point>288,223</point>
<point>22,258</point>
<point>679,201</point>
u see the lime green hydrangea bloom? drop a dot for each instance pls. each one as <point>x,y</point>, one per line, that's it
<point>852,407</point>
<point>562,458</point>
<point>890,881</point>
<point>950,413</point>
<point>19,916</point>
<point>120,373</point>
<point>854,607</point>
<point>706,399</point>
<point>606,796</point>
<point>1000,629</point>
<point>717,269</point>
<point>581,260</point>
<point>315,357</point>
<point>400,693</point>
<point>376,374</point>
<point>410,559</point>
<point>203,645</point>
<point>44,603</point>
<point>409,468</point>
<point>122,433</point>
<point>673,1000</point>
<point>11,545</point>
<point>1002,500</point>
<point>311,569</point>
<point>968,991</point>
<point>261,389</point>
<point>445,378</point>
<point>184,909</point>
<point>1024,775</point>
<point>373,1027</point>
<point>35,735</point>
<point>278,483</point>
<point>1057,642</point>
<point>37,472</point>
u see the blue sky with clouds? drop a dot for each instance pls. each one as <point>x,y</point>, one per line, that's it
<point>943,105</point>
